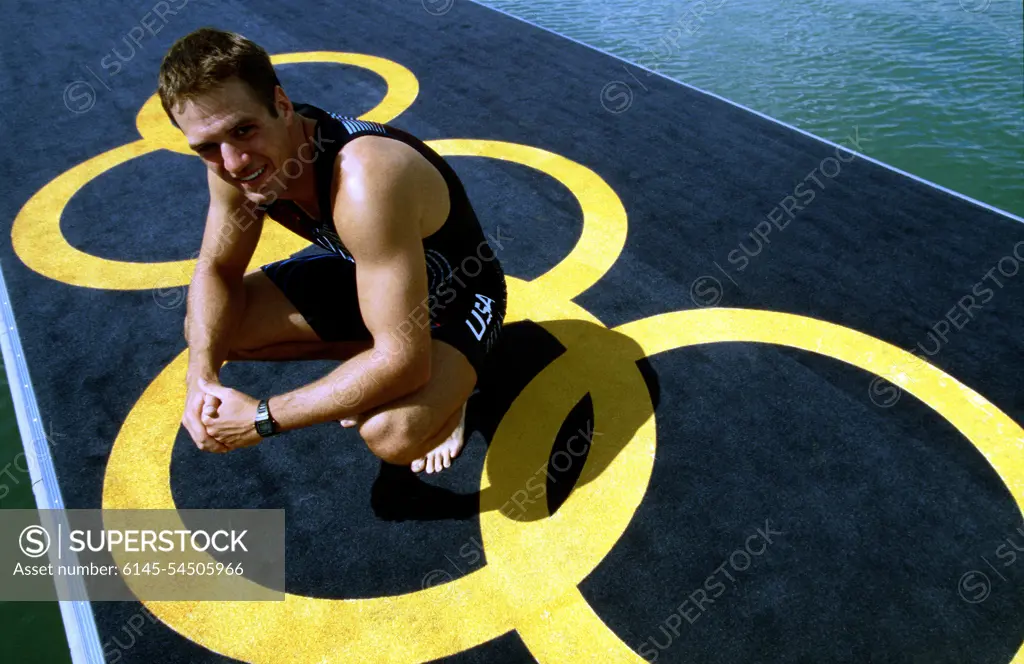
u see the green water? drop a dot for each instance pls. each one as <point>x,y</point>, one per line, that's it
<point>935,85</point>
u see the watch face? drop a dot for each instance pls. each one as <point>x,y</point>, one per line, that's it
<point>264,425</point>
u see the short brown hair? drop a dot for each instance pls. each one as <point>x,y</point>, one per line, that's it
<point>204,59</point>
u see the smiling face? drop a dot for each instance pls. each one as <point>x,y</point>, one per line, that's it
<point>238,139</point>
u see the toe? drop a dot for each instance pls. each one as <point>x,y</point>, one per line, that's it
<point>418,465</point>
<point>447,459</point>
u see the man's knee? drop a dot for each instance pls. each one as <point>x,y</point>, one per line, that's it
<point>394,436</point>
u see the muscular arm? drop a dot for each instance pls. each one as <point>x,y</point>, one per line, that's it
<point>216,295</point>
<point>380,227</point>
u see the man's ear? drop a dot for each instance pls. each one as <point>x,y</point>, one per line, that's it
<point>283,105</point>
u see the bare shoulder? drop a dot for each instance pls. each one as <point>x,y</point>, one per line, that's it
<point>383,189</point>
<point>383,163</point>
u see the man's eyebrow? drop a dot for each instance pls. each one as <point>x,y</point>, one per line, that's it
<point>243,121</point>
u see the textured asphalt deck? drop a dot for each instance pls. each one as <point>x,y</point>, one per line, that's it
<point>865,515</point>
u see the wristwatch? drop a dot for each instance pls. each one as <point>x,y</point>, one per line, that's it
<point>265,424</point>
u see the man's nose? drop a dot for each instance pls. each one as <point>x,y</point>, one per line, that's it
<point>235,160</point>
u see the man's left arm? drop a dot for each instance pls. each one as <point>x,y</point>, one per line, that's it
<point>381,228</point>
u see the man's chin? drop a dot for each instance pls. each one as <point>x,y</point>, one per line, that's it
<point>259,197</point>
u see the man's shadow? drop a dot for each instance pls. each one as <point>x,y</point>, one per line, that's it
<point>526,349</point>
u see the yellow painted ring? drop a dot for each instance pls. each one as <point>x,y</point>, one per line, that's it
<point>604,217</point>
<point>568,630</point>
<point>137,477</point>
<point>45,249</point>
<point>36,234</point>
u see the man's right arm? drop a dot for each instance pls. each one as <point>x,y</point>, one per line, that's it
<point>216,297</point>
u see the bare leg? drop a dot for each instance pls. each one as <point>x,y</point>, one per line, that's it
<point>302,350</point>
<point>427,418</point>
<point>272,329</point>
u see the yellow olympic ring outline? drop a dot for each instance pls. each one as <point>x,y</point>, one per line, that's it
<point>36,235</point>
<point>530,582</point>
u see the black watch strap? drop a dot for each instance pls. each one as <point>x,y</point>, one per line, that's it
<point>265,424</point>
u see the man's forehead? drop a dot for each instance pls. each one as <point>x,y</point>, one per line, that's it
<point>215,112</point>
<point>213,122</point>
<point>203,125</point>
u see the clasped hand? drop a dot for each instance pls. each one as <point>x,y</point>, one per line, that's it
<point>218,418</point>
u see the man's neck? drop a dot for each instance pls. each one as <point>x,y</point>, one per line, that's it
<point>302,190</point>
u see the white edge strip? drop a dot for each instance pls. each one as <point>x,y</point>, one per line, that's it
<point>79,623</point>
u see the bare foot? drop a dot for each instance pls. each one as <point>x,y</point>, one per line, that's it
<point>441,456</point>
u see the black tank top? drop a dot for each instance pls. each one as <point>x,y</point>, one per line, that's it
<point>460,236</point>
